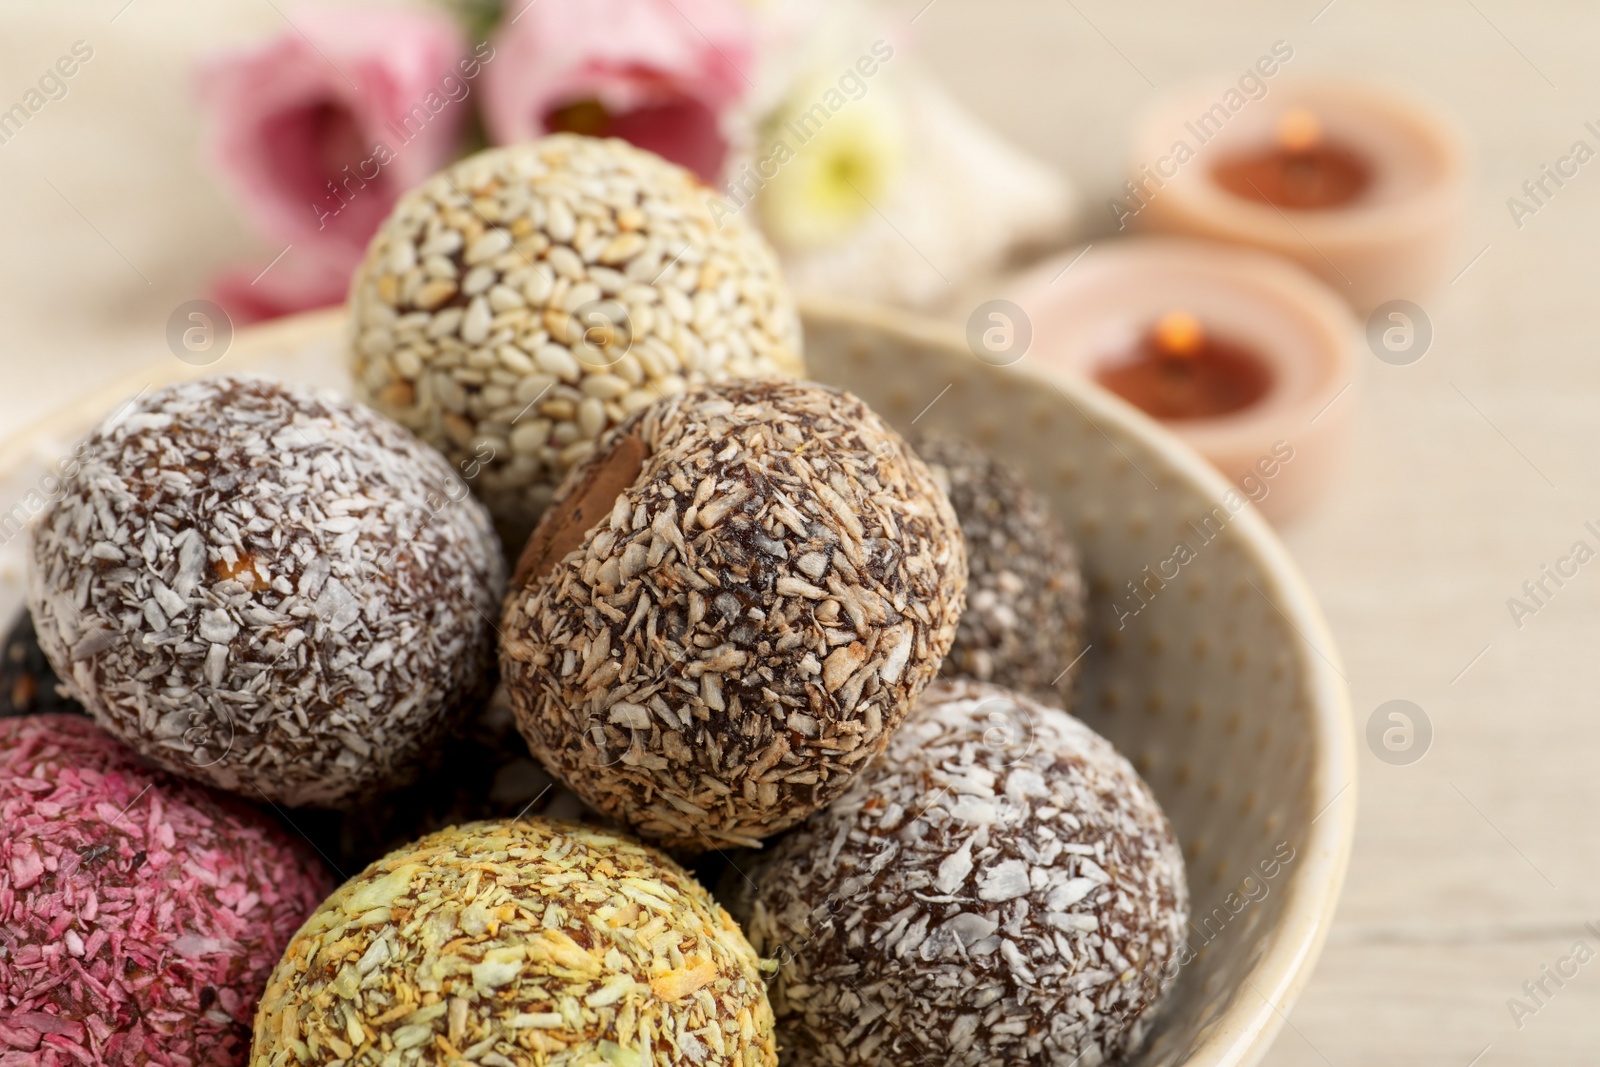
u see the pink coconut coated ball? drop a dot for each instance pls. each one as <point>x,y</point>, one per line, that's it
<point>140,914</point>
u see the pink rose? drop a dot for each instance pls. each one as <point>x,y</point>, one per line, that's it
<point>320,130</point>
<point>662,74</point>
<point>307,277</point>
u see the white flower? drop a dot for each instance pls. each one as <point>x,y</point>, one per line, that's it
<point>845,154</point>
<point>964,200</point>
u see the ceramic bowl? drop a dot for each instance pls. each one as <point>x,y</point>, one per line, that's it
<point>1208,664</point>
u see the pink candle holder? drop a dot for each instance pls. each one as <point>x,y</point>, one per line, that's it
<point>1287,441</point>
<point>1207,171</point>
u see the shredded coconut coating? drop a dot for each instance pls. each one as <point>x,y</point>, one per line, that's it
<point>744,630</point>
<point>139,914</point>
<point>528,298</point>
<point>527,943</point>
<point>272,590</point>
<point>1024,623</point>
<point>1000,888</point>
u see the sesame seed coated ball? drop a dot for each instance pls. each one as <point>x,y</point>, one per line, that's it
<point>140,914</point>
<point>526,299</point>
<point>729,609</point>
<point>1000,887</point>
<point>518,944</point>
<point>270,589</point>
<point>1023,627</point>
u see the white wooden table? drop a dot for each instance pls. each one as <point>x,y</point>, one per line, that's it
<point>1474,867</point>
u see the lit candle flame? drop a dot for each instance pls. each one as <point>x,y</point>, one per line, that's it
<point>1179,334</point>
<point>1299,130</point>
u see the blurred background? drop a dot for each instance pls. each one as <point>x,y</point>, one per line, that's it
<point>1471,469</point>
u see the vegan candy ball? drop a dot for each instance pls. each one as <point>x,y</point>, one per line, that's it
<point>1001,887</point>
<point>1023,627</point>
<point>139,914</point>
<point>523,942</point>
<point>730,607</point>
<point>266,588</point>
<point>528,298</point>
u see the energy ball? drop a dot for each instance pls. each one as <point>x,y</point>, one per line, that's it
<point>528,298</point>
<point>272,590</point>
<point>139,914</point>
<point>1001,887</point>
<point>729,609</point>
<point>1023,627</point>
<point>519,943</point>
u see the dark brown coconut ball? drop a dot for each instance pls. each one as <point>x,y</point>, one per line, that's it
<point>275,591</point>
<point>1023,627</point>
<point>522,943</point>
<point>140,914</point>
<point>1001,887</point>
<point>729,609</point>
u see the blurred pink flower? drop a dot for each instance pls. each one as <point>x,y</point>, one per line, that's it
<point>320,130</point>
<point>661,74</point>
<point>307,277</point>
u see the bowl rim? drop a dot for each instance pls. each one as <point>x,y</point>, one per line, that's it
<point>1241,1035</point>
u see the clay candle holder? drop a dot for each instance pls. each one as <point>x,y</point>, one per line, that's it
<point>1242,354</point>
<point>1361,186</point>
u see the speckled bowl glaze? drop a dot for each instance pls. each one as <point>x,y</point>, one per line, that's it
<point>1216,675</point>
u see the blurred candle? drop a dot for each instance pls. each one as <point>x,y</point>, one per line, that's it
<point>1361,186</point>
<point>1179,371</point>
<point>1240,353</point>
<point>1303,171</point>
